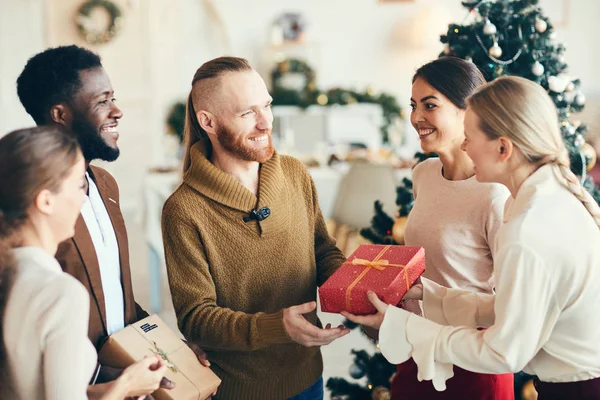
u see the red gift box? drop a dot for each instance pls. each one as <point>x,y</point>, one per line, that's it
<point>389,271</point>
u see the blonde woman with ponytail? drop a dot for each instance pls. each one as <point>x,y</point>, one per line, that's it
<point>543,317</point>
<point>45,352</point>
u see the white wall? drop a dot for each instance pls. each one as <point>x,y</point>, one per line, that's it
<point>22,34</point>
<point>352,43</point>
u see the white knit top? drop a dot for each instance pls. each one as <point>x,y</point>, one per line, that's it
<point>46,331</point>
<point>456,222</point>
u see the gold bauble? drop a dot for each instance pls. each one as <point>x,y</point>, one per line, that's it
<point>590,155</point>
<point>528,392</point>
<point>381,393</point>
<point>322,99</point>
<point>495,51</point>
<point>398,230</point>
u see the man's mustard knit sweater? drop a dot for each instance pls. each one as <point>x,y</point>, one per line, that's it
<point>231,279</point>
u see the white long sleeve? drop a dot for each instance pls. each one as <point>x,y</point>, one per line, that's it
<point>545,308</point>
<point>505,347</point>
<point>66,351</point>
<point>458,307</point>
<point>46,331</point>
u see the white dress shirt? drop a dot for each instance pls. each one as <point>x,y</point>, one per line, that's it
<point>104,238</point>
<point>49,355</point>
<point>543,318</point>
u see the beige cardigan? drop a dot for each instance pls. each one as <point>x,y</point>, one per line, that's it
<point>45,331</point>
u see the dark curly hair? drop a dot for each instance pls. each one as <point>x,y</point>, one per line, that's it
<point>52,77</point>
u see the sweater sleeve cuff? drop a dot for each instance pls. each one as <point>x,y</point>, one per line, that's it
<point>271,329</point>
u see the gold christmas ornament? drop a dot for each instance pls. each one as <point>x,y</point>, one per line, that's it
<point>398,230</point>
<point>322,99</point>
<point>495,51</point>
<point>381,393</point>
<point>528,392</point>
<point>590,155</point>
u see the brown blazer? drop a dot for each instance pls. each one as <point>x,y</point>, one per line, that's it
<point>77,257</point>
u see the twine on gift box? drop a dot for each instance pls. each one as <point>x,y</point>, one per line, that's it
<point>378,264</point>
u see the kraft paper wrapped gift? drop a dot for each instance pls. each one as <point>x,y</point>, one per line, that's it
<point>388,270</point>
<point>152,336</point>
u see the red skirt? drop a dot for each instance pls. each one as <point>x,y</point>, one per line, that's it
<point>582,390</point>
<point>463,385</point>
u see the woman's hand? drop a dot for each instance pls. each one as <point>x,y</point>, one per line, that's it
<point>143,377</point>
<point>414,293</point>
<point>372,321</point>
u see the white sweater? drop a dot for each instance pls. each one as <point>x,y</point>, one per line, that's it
<point>544,316</point>
<point>456,222</point>
<point>45,331</point>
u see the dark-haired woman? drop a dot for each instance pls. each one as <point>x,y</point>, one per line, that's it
<point>455,217</point>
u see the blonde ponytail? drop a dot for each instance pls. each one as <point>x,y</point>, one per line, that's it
<point>563,173</point>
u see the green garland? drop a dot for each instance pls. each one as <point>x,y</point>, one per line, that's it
<point>311,95</point>
<point>116,21</point>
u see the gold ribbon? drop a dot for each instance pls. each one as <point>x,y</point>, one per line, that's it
<point>378,264</point>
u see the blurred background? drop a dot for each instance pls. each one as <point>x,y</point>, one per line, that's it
<point>340,72</point>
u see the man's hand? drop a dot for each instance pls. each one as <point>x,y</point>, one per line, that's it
<point>199,353</point>
<point>372,321</point>
<point>303,332</point>
<point>201,356</point>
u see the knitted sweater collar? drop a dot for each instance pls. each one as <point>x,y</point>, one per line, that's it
<point>221,187</point>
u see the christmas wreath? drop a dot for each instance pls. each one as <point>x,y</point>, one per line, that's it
<point>94,32</point>
<point>300,92</point>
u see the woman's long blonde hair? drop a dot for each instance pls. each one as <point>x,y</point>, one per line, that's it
<point>521,110</point>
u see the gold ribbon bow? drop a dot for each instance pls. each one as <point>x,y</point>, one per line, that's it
<point>378,264</point>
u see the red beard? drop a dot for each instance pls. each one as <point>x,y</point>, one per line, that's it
<point>237,145</point>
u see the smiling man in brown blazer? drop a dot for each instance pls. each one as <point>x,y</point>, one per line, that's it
<point>68,86</point>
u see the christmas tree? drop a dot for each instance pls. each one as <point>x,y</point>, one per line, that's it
<point>502,37</point>
<point>514,37</point>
